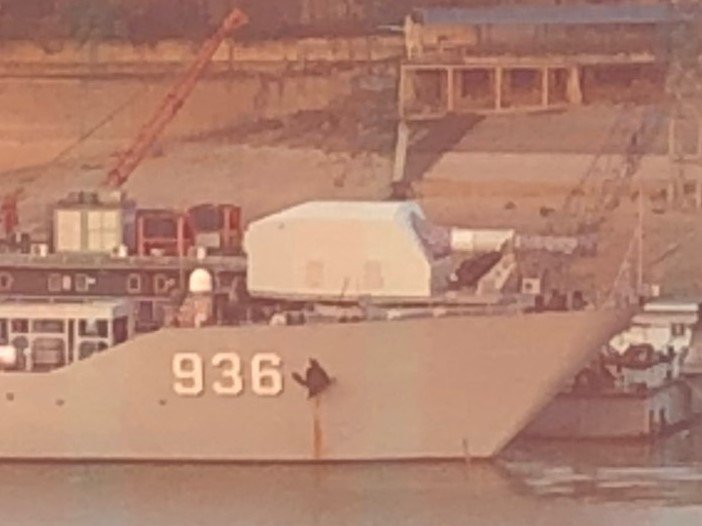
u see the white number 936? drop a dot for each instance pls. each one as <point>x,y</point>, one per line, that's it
<point>265,375</point>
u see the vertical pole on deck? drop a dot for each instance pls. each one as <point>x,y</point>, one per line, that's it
<point>640,248</point>
<point>574,91</point>
<point>498,88</point>
<point>402,92</point>
<point>401,152</point>
<point>140,235</point>
<point>181,250</point>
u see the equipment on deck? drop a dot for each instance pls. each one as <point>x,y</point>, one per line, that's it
<point>8,212</point>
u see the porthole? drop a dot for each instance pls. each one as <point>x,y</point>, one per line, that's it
<point>134,283</point>
<point>54,282</point>
<point>82,283</point>
<point>161,284</point>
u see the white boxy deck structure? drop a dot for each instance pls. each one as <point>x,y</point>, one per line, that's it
<point>347,250</point>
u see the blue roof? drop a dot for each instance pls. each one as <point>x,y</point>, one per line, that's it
<point>552,15</point>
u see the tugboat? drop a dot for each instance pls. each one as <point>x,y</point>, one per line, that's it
<point>635,387</point>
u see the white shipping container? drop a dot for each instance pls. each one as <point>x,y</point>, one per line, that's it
<point>67,231</point>
<point>88,230</point>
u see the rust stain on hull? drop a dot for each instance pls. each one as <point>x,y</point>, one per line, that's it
<point>317,431</point>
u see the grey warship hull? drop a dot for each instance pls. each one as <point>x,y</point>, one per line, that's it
<point>407,389</point>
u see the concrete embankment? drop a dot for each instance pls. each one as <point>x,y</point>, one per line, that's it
<point>48,100</point>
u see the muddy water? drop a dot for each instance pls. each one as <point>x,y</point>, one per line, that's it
<point>532,483</point>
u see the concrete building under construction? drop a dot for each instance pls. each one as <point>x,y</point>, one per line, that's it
<point>522,58</point>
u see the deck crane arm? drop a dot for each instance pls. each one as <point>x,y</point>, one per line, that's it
<point>128,161</point>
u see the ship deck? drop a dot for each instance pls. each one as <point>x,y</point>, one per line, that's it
<point>106,261</point>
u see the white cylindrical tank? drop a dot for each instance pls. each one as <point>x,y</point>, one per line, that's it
<point>470,240</point>
<point>8,356</point>
<point>200,282</point>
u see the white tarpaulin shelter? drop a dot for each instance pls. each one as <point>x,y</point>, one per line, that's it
<point>347,250</point>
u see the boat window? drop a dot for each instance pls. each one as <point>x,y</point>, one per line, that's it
<point>145,312</point>
<point>206,218</point>
<point>48,352</point>
<point>134,283</point>
<point>54,282</point>
<point>678,329</point>
<point>92,327</point>
<point>48,326</point>
<point>160,284</point>
<point>86,348</point>
<point>48,344</point>
<point>5,281</point>
<point>20,326</point>
<point>120,330</point>
<point>3,332</point>
<point>161,227</point>
<point>82,283</point>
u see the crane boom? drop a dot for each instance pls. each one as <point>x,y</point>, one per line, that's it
<point>172,103</point>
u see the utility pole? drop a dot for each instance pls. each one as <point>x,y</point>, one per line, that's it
<point>683,90</point>
<point>639,242</point>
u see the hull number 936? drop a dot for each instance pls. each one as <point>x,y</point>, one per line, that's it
<point>229,374</point>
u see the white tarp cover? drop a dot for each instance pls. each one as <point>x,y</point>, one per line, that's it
<point>345,250</point>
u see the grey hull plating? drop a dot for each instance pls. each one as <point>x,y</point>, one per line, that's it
<point>411,389</point>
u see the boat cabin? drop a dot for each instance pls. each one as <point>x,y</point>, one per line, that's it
<point>39,336</point>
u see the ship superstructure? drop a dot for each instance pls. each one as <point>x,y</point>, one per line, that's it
<point>361,333</point>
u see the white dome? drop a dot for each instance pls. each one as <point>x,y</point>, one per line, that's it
<point>200,281</point>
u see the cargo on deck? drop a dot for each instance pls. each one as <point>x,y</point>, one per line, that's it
<point>348,250</point>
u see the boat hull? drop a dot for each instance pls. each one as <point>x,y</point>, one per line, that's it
<point>408,389</point>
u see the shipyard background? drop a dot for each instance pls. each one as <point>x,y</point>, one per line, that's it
<point>306,103</point>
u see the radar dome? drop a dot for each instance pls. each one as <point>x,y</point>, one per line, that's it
<point>200,281</point>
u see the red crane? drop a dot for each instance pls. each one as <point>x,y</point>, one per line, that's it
<point>128,161</point>
<point>8,212</point>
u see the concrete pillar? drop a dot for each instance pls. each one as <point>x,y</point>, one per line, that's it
<point>401,146</point>
<point>498,88</point>
<point>574,92</point>
<point>450,89</point>
<point>413,38</point>
<point>402,92</point>
<point>544,87</point>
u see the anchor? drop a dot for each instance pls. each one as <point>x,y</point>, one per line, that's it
<point>316,379</point>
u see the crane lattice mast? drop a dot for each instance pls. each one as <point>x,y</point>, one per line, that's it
<point>128,161</point>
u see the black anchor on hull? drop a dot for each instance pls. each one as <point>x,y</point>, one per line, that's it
<point>316,379</point>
